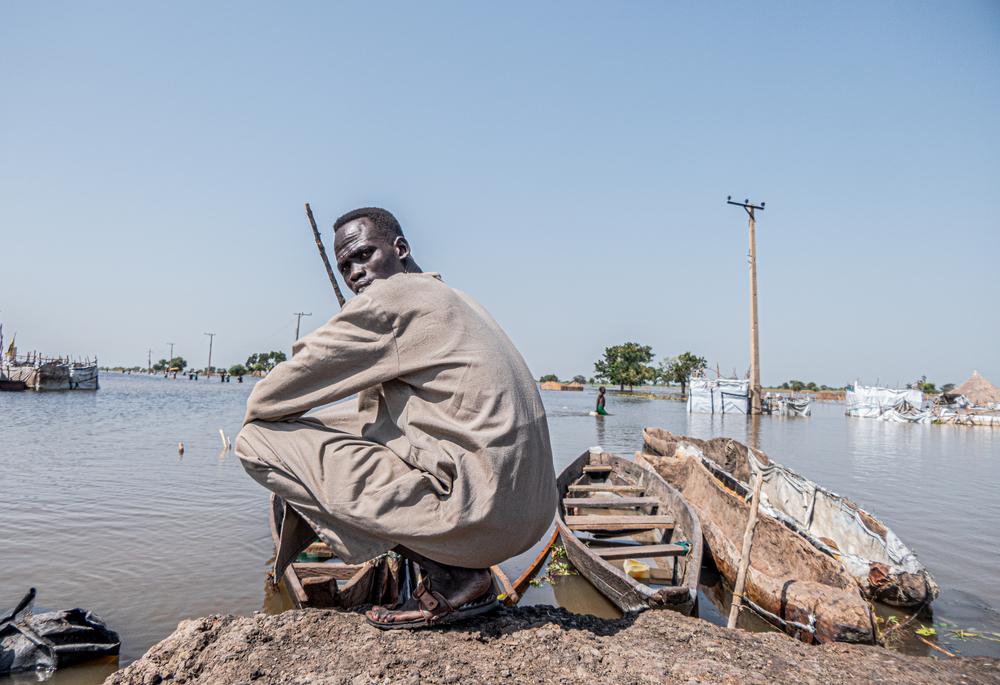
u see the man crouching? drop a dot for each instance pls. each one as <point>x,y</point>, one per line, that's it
<point>445,458</point>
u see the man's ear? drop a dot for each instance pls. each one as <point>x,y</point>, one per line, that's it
<point>402,248</point>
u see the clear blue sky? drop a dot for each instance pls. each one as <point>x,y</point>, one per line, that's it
<point>566,163</point>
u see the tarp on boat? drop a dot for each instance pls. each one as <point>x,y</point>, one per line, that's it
<point>718,396</point>
<point>871,402</point>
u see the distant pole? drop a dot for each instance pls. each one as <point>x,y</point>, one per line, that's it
<point>211,338</point>
<point>171,352</point>
<point>754,348</point>
<point>149,361</point>
<point>298,321</point>
<point>322,254</point>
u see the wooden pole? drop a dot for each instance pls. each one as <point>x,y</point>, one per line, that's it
<point>754,350</point>
<point>322,253</point>
<point>755,403</point>
<point>741,574</point>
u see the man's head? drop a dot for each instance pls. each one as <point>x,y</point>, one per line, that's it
<point>600,390</point>
<point>368,245</point>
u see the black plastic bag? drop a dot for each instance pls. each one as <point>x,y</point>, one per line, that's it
<point>51,640</point>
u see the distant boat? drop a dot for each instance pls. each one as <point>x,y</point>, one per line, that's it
<point>41,374</point>
<point>83,376</point>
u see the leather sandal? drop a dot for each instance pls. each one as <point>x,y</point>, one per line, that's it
<point>434,608</point>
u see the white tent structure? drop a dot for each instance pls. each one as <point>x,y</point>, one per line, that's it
<point>888,404</point>
<point>718,396</point>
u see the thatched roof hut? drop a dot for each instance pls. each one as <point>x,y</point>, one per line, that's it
<point>978,390</point>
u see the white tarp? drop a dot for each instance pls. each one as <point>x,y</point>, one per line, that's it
<point>718,396</point>
<point>871,402</point>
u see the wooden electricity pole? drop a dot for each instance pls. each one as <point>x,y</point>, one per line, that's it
<point>171,352</point>
<point>754,347</point>
<point>149,361</point>
<point>298,321</point>
<point>211,338</point>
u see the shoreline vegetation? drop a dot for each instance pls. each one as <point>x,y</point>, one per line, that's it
<point>524,645</point>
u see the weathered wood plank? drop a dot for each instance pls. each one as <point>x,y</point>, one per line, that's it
<point>638,551</point>
<point>597,468</point>
<point>609,502</point>
<point>592,522</point>
<point>316,569</point>
<point>607,488</point>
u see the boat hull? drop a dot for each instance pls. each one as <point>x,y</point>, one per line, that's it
<point>885,569</point>
<point>793,585</point>
<point>621,589</point>
<point>83,378</point>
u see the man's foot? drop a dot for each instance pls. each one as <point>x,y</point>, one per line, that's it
<point>446,594</point>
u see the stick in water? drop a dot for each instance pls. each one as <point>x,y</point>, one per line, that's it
<point>741,574</point>
<point>322,253</point>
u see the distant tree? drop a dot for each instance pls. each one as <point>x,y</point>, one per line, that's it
<point>160,365</point>
<point>928,388</point>
<point>626,364</point>
<point>549,378</point>
<point>947,387</point>
<point>178,363</point>
<point>237,370</point>
<point>784,386</point>
<point>796,386</point>
<point>579,379</point>
<point>265,361</point>
<point>591,381</point>
<point>680,368</point>
<point>811,386</point>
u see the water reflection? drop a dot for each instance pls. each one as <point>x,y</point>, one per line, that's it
<point>105,514</point>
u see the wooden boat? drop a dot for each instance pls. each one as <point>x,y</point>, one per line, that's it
<point>801,589</point>
<point>614,510</point>
<point>886,569</point>
<point>318,580</point>
<point>7,385</point>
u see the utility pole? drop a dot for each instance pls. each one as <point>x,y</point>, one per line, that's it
<point>149,361</point>
<point>754,348</point>
<point>171,352</point>
<point>211,338</point>
<point>298,321</point>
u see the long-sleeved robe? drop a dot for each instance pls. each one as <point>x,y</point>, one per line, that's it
<point>446,452</point>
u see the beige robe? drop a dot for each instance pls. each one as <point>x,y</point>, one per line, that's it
<point>446,452</point>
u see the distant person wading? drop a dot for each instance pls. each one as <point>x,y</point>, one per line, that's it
<point>445,456</point>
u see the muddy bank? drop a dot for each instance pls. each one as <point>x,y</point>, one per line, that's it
<point>523,645</point>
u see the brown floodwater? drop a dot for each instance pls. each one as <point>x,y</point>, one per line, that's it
<point>103,513</point>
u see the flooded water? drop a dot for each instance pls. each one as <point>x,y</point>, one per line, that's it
<point>103,512</point>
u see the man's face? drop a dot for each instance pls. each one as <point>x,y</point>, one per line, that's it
<point>365,253</point>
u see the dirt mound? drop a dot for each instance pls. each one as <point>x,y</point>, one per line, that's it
<point>521,645</point>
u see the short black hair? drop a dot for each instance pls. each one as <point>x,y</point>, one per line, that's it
<point>382,219</point>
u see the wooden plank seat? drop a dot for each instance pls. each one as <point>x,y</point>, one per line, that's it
<point>326,571</point>
<point>637,489</point>
<point>597,468</point>
<point>639,551</point>
<point>610,502</point>
<point>593,522</point>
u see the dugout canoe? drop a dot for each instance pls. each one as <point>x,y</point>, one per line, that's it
<point>886,570</point>
<point>794,585</point>
<point>613,510</point>
<point>318,580</point>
